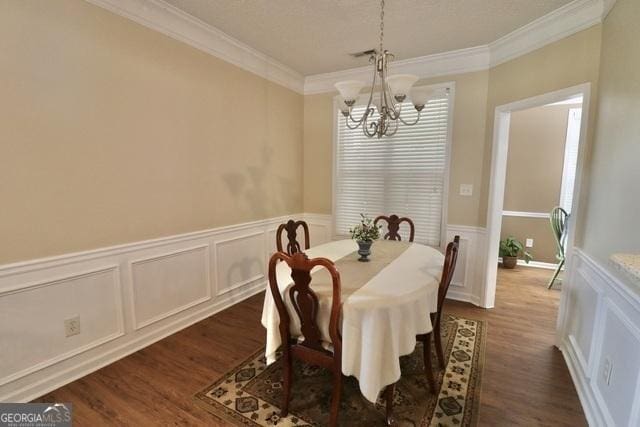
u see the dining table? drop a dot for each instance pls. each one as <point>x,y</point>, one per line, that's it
<point>386,302</point>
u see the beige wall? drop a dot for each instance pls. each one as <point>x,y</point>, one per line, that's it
<point>112,133</point>
<point>466,153</point>
<point>612,215</point>
<point>565,63</point>
<point>538,229</point>
<point>535,160</point>
<point>537,139</point>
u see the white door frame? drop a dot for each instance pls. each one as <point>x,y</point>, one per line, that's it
<point>498,178</point>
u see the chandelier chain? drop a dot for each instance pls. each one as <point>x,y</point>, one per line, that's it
<point>381,23</point>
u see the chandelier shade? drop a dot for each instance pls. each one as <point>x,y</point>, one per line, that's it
<point>400,84</point>
<point>349,90</point>
<point>420,96</point>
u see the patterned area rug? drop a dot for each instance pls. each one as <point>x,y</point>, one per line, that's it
<point>251,393</point>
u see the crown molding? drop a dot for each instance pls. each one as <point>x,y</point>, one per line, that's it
<point>447,63</point>
<point>563,22</point>
<point>173,22</point>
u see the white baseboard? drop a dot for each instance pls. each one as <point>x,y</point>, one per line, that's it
<point>535,264</point>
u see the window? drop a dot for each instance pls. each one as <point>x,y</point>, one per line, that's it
<point>404,174</point>
<point>570,158</point>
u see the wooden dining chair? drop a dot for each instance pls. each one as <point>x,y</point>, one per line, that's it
<point>449,267</point>
<point>393,226</point>
<point>291,227</point>
<point>310,347</point>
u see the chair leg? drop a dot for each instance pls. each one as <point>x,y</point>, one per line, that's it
<point>438,339</point>
<point>335,398</point>
<point>287,374</point>
<point>428,366</point>
<point>388,397</point>
<point>555,274</point>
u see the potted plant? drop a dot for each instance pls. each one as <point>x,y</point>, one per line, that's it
<point>364,234</point>
<point>510,249</point>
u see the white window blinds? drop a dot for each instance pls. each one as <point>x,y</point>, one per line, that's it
<point>570,158</point>
<point>403,174</point>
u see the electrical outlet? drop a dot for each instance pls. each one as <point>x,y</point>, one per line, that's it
<point>466,189</point>
<point>72,326</point>
<point>529,243</point>
<point>607,369</point>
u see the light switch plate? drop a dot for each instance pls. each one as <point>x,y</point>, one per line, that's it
<point>466,189</point>
<point>529,243</point>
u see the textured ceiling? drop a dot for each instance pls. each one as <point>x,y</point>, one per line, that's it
<point>317,36</point>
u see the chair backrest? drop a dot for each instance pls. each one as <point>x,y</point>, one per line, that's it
<point>291,227</point>
<point>305,301</point>
<point>450,260</point>
<point>558,220</point>
<point>393,226</point>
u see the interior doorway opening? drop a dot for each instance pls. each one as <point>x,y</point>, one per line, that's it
<point>571,183</point>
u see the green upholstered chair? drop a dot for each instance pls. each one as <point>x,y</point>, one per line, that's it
<point>558,219</point>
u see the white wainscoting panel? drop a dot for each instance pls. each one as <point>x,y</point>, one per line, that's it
<point>32,315</point>
<point>467,283</point>
<point>320,228</point>
<point>600,328</point>
<point>583,300</point>
<point>240,261</point>
<point>163,285</point>
<point>126,296</point>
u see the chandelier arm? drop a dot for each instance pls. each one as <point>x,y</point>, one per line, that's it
<point>394,112</point>
<point>373,85</point>
<point>356,121</point>
<point>346,122</point>
<point>366,126</point>
<point>411,123</point>
<point>395,129</point>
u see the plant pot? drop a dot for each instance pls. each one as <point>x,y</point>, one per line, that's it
<point>509,262</point>
<point>364,250</point>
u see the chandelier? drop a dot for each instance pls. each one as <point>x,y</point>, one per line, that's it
<point>386,94</point>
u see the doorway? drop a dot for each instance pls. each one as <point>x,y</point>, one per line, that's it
<point>500,149</point>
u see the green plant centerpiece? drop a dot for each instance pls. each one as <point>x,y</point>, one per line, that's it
<point>365,234</point>
<point>510,250</point>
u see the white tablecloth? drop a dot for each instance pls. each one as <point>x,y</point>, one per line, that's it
<point>380,320</point>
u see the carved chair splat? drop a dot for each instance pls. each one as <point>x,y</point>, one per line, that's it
<point>393,226</point>
<point>291,227</point>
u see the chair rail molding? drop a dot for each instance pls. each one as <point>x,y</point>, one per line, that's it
<point>526,214</point>
<point>127,297</point>
<point>599,336</point>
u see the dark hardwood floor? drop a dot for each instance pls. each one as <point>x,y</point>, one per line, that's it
<point>525,380</point>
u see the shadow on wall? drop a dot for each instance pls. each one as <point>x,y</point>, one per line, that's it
<point>244,269</point>
<point>257,192</point>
